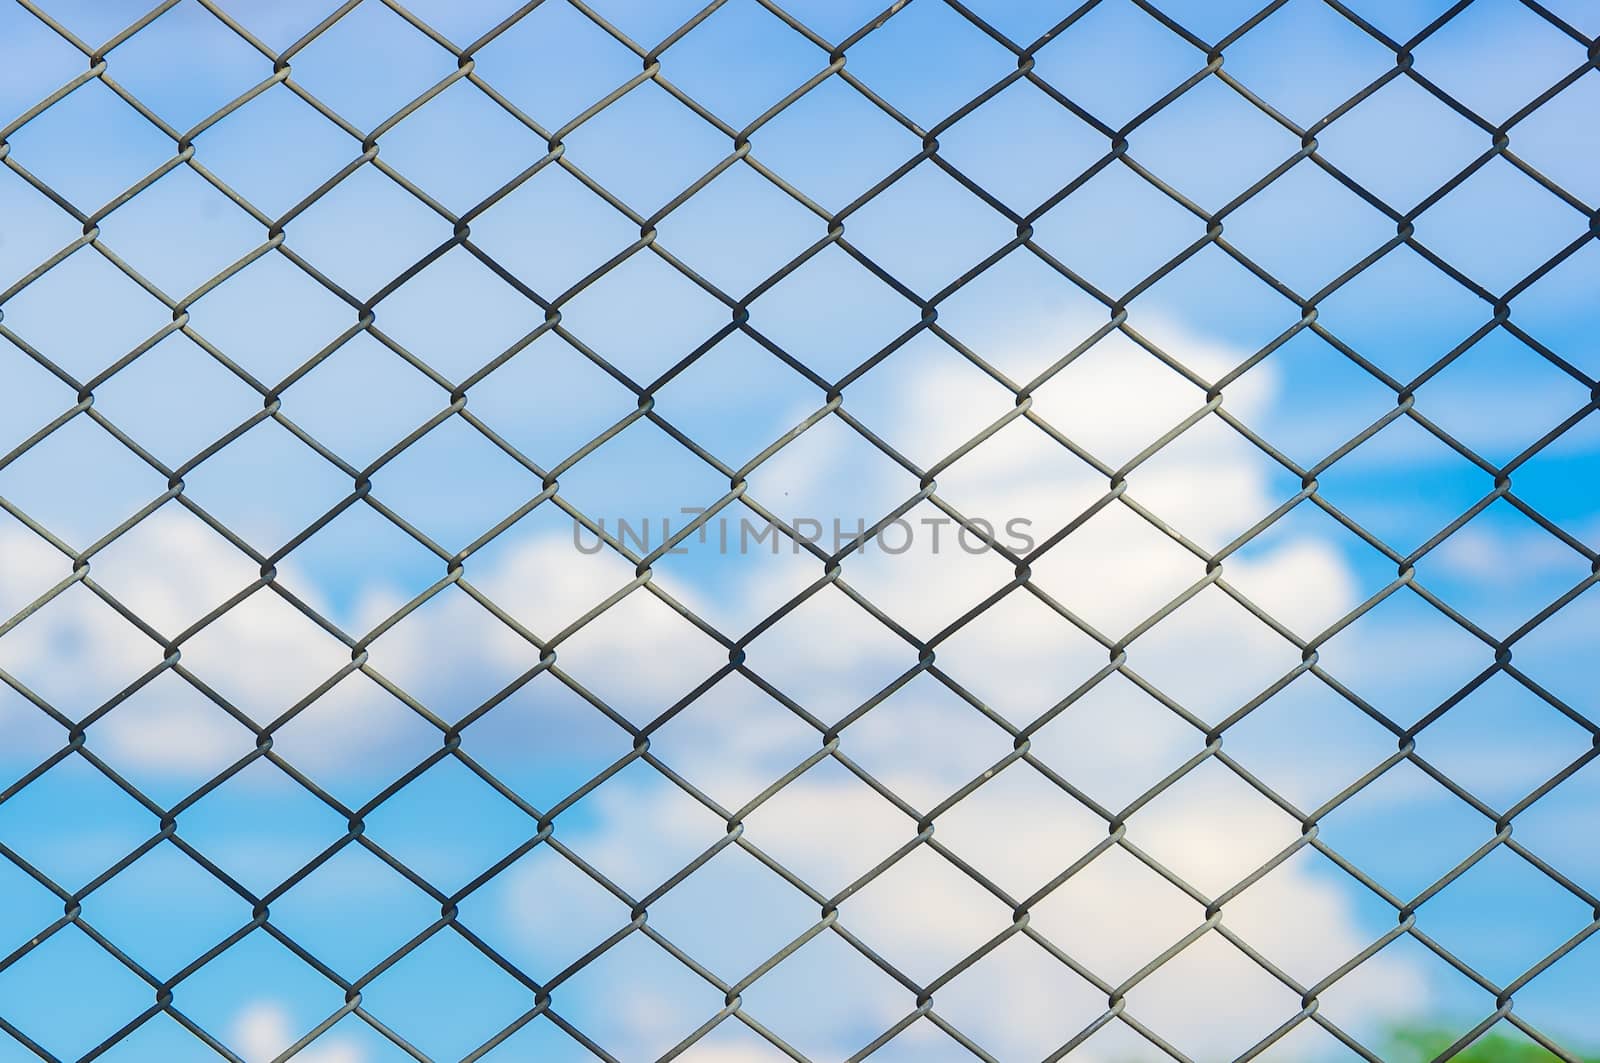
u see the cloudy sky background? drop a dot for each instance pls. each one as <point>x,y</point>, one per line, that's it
<point>1017,831</point>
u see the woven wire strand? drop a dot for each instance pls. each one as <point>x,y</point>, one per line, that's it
<point>832,565</point>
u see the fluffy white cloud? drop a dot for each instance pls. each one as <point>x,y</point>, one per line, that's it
<point>1018,830</point>
<point>263,1030</point>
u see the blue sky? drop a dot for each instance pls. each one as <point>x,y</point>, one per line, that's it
<point>1497,383</point>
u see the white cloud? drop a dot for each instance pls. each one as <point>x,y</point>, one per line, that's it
<point>263,1030</point>
<point>1018,829</point>
<point>1117,915</point>
<point>1499,558</point>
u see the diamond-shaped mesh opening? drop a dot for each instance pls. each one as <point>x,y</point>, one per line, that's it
<point>1020,315</point>
<point>733,711</point>
<point>774,61</point>
<point>172,569</point>
<point>29,242</point>
<point>1055,1004</point>
<point>1052,832</point>
<point>260,827</point>
<point>1211,459</point>
<point>1118,549</point>
<point>920,379</point>
<point>231,655</point>
<point>1309,743</point>
<point>1167,996</point>
<point>955,743</point>
<point>1298,426</point>
<point>266,485</point>
<point>1358,489</point>
<point>738,231</point>
<point>80,482</point>
<point>545,741</point>
<point>1084,61</point>
<point>165,911</point>
<point>180,232</point>
<point>33,987</point>
<point>258,996</point>
<point>1403,693</point>
<point>55,62</point>
<point>275,150</point>
<point>1548,1001</point>
<point>827,999</point>
<point>406,824</point>
<point>317,400</point>
<point>1267,911</point>
<point>639,473</point>
<point>1402,314</point>
<point>753,584</point>
<point>544,912</point>
<point>1307,571</point>
<point>1185,314</point>
<point>168,738</point>
<point>447,997</point>
<point>83,344</point>
<point>1549,138</point>
<point>248,317</point>
<point>1460,570</point>
<point>355,585</point>
<point>1057,147</point>
<point>73,799</point>
<point>963,568</point>
<point>864,655</point>
<point>614,844</point>
<point>646,123</point>
<point>458,280</point>
<point>1533,396</point>
<point>1467,58</point>
<point>1079,744</point>
<point>786,827</point>
<point>1172,828</point>
<point>1145,915</point>
<point>74,653</point>
<point>1360,996</point>
<point>1306,60</point>
<point>554,62</point>
<point>58,146</point>
<point>1307,228</point>
<point>1173,144</point>
<point>762,914</point>
<point>879,143</point>
<point>461,147</point>
<point>454,484</point>
<point>1078,231</point>
<point>1393,853</point>
<point>1525,915</point>
<point>365,232</point>
<point>176,399</point>
<point>891,62</point>
<point>867,314</point>
<point>662,1001</point>
<point>575,232</point>
<point>673,317</point>
<point>355,739</point>
<point>369,64</point>
<point>1401,143</point>
<point>1149,611</point>
<point>1053,660</point>
<point>1527,226</point>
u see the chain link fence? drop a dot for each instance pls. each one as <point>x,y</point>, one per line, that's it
<point>831,572</point>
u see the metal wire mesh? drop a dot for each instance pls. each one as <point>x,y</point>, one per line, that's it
<point>832,566</point>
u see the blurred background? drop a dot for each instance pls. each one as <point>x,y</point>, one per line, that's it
<point>1288,313</point>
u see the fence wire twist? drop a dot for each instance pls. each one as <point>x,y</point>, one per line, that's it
<point>832,566</point>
